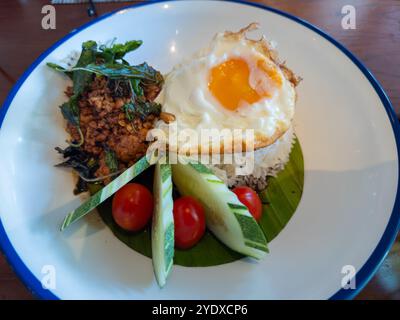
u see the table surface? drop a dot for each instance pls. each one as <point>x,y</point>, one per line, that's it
<point>376,41</point>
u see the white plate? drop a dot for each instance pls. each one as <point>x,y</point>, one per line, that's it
<point>348,215</point>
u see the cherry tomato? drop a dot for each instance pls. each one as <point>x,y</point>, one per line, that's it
<point>190,222</point>
<point>132,207</point>
<point>251,200</point>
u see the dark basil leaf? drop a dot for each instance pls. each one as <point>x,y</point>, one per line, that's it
<point>59,68</point>
<point>137,89</point>
<point>121,71</point>
<point>81,186</point>
<point>79,160</point>
<point>82,78</point>
<point>125,62</point>
<point>111,160</point>
<point>129,109</point>
<point>83,163</point>
<point>141,108</point>
<point>94,187</point>
<point>119,88</point>
<point>146,108</point>
<point>72,152</point>
<point>156,77</point>
<point>70,111</point>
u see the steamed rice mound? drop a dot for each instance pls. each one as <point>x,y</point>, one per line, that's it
<point>268,161</point>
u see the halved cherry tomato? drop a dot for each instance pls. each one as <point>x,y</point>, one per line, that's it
<point>132,207</point>
<point>250,199</point>
<point>190,222</point>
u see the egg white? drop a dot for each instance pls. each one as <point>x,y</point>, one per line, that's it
<point>186,94</point>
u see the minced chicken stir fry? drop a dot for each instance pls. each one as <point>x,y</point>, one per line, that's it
<point>109,112</point>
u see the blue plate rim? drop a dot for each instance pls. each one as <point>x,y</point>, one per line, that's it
<point>370,266</point>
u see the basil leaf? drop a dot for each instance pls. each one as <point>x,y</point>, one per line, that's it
<point>81,162</point>
<point>70,111</point>
<point>117,71</point>
<point>146,108</point>
<point>141,108</point>
<point>82,78</point>
<point>118,51</point>
<point>111,160</point>
<point>129,109</point>
<point>59,68</point>
<point>137,89</point>
<point>125,62</point>
<point>119,88</point>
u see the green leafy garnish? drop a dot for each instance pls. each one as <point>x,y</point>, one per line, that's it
<point>117,71</point>
<point>118,51</point>
<point>82,162</point>
<point>70,111</point>
<point>111,160</point>
<point>136,88</point>
<point>129,109</point>
<point>59,68</point>
<point>82,78</point>
<point>140,108</point>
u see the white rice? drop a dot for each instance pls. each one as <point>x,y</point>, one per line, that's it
<point>267,162</point>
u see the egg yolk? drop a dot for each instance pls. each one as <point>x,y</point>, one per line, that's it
<point>229,82</point>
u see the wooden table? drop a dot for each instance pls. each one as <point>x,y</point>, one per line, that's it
<point>376,41</point>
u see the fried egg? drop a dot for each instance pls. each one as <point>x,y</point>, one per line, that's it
<point>234,83</point>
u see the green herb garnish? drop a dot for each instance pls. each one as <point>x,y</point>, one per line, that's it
<point>82,162</point>
<point>70,111</point>
<point>59,68</point>
<point>120,71</point>
<point>111,160</point>
<point>82,78</point>
<point>140,108</point>
<point>118,51</point>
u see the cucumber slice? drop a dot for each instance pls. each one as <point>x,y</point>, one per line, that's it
<point>226,216</point>
<point>162,232</point>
